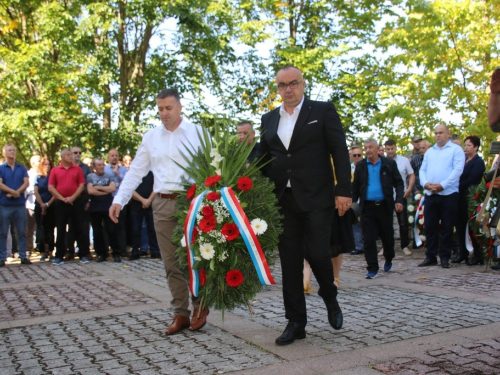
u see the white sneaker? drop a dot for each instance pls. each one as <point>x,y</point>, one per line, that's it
<point>381,252</point>
<point>406,251</point>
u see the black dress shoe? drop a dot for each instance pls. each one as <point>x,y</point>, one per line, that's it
<point>134,257</point>
<point>496,267</point>
<point>293,331</point>
<point>459,259</point>
<point>474,261</point>
<point>335,317</point>
<point>445,263</point>
<point>429,261</point>
<point>357,252</point>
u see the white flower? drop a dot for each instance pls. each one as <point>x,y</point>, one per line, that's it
<point>198,259</point>
<point>214,152</point>
<point>411,208</point>
<point>421,221</point>
<point>183,241</point>
<point>218,158</point>
<point>218,171</point>
<point>411,219</point>
<point>215,164</point>
<point>223,256</point>
<point>259,226</point>
<point>422,238</point>
<point>418,196</point>
<point>207,251</point>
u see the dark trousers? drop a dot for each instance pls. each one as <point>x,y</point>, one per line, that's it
<point>71,236</point>
<point>305,235</point>
<point>45,225</point>
<point>65,214</point>
<point>377,222</point>
<point>101,224</point>
<point>138,215</point>
<point>403,225</point>
<point>118,240</point>
<point>440,208</point>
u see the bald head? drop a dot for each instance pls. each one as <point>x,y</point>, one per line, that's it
<point>424,146</point>
<point>442,135</point>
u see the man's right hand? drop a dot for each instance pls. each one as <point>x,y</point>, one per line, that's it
<point>114,212</point>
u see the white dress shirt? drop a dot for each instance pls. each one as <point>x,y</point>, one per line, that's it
<point>158,152</point>
<point>29,193</point>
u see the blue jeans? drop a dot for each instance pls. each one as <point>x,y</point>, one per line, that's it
<point>16,216</point>
<point>358,236</point>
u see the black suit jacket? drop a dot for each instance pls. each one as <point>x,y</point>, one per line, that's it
<point>472,175</point>
<point>317,137</point>
<point>390,179</point>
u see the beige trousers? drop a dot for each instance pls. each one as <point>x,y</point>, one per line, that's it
<point>165,222</point>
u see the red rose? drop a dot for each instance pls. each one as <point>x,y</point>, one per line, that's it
<point>212,180</point>
<point>207,224</point>
<point>207,211</point>
<point>476,196</point>
<point>195,234</point>
<point>244,183</point>
<point>234,278</point>
<point>488,185</point>
<point>191,192</point>
<point>213,196</point>
<point>230,231</point>
<point>203,276</point>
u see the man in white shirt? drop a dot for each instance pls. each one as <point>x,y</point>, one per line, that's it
<point>29,194</point>
<point>160,150</point>
<point>406,172</point>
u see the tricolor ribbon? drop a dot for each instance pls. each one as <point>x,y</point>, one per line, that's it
<point>420,206</point>
<point>194,280</point>
<point>248,235</point>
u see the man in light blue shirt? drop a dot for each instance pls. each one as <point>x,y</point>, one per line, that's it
<point>439,175</point>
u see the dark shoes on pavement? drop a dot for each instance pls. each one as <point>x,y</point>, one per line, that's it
<point>117,258</point>
<point>199,318</point>
<point>101,258</point>
<point>335,317</point>
<point>293,331</point>
<point>25,261</point>
<point>474,261</point>
<point>2,263</point>
<point>357,252</point>
<point>180,322</point>
<point>429,261</point>
<point>445,263</point>
<point>134,257</point>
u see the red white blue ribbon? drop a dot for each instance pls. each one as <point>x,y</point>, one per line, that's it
<point>248,235</point>
<point>194,280</point>
<point>420,208</point>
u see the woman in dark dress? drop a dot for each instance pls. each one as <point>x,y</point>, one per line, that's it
<point>44,210</point>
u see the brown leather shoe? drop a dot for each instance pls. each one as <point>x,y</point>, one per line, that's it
<point>180,322</point>
<point>198,322</point>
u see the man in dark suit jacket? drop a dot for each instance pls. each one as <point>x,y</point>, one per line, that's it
<point>376,178</point>
<point>300,138</point>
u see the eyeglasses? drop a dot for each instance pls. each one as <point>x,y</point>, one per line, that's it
<point>77,152</point>
<point>293,85</point>
<point>357,155</point>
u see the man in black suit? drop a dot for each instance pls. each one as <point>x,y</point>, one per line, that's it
<point>300,138</point>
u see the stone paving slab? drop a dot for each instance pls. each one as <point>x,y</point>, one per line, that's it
<point>130,343</point>
<point>144,265</point>
<point>377,314</point>
<point>72,297</point>
<point>479,357</point>
<point>38,272</point>
<point>487,284</point>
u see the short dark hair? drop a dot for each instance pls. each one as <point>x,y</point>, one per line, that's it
<point>286,67</point>
<point>168,93</point>
<point>474,139</point>
<point>245,123</point>
<point>390,142</point>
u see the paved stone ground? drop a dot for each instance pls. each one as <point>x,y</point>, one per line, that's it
<point>109,318</point>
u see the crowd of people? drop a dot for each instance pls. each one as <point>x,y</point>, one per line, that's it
<point>50,208</point>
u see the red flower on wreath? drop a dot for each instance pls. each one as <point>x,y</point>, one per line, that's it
<point>191,192</point>
<point>476,196</point>
<point>203,276</point>
<point>213,196</point>
<point>490,253</point>
<point>208,224</point>
<point>212,180</point>
<point>230,231</point>
<point>488,185</point>
<point>207,211</point>
<point>244,183</point>
<point>234,278</point>
<point>195,234</point>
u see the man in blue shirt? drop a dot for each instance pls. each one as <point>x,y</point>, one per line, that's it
<point>13,182</point>
<point>440,174</point>
<point>375,180</point>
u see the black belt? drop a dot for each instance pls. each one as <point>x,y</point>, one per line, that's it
<point>376,203</point>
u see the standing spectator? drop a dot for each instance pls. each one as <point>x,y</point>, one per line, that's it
<point>44,210</point>
<point>118,172</point>
<point>140,210</point>
<point>70,238</point>
<point>160,151</point>
<point>471,176</point>
<point>29,194</point>
<point>375,180</point>
<point>415,142</point>
<point>245,129</point>
<point>66,184</point>
<point>440,173</point>
<point>406,172</point>
<point>126,160</point>
<point>416,163</point>
<point>13,182</point>
<point>100,186</point>
<point>357,156</point>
